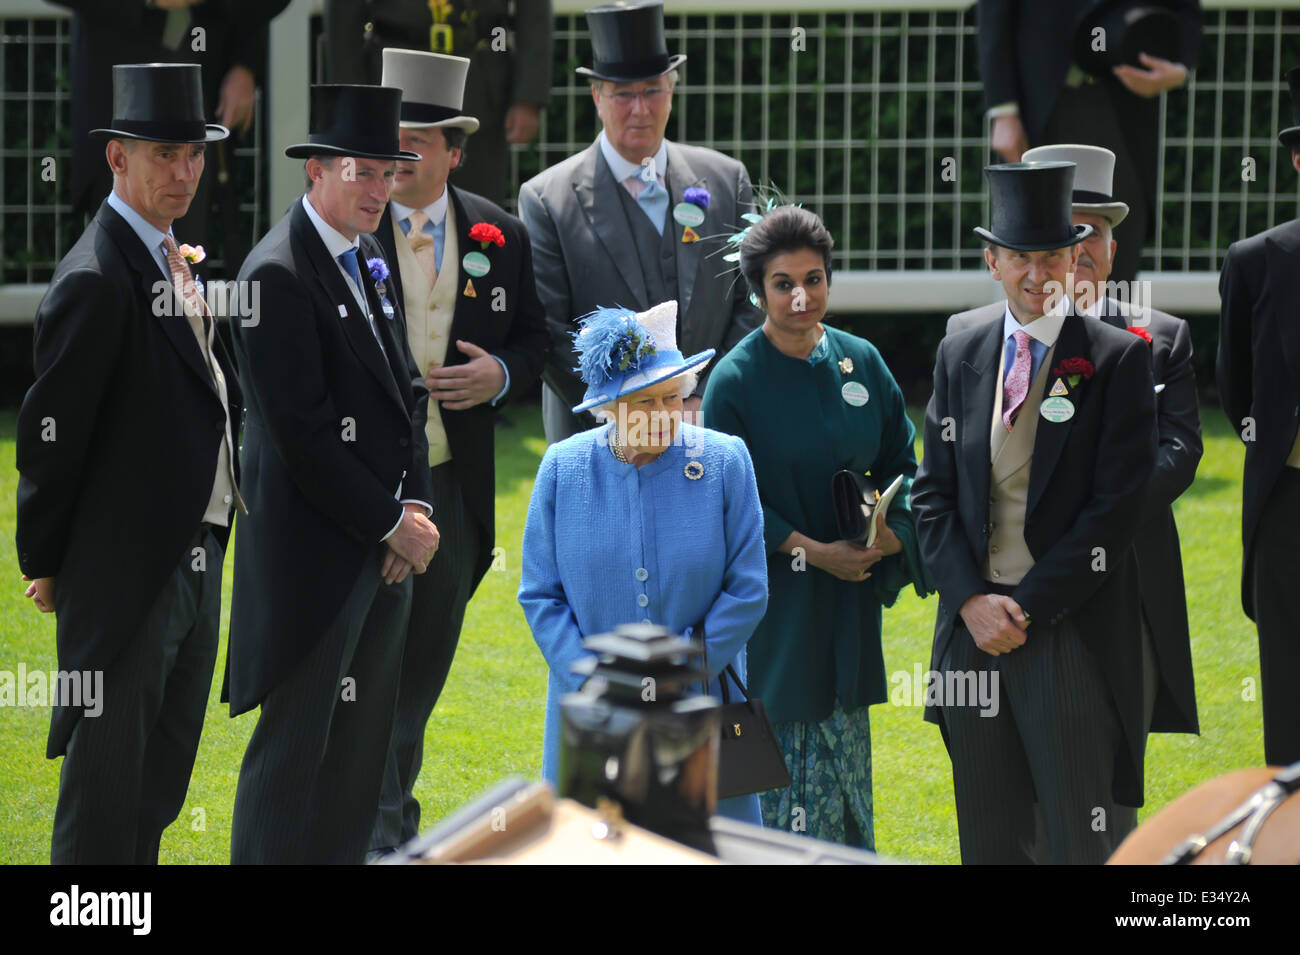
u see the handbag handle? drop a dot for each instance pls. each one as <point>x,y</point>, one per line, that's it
<point>722,681</point>
<point>728,670</point>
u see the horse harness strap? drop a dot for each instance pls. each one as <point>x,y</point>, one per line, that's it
<point>1254,811</point>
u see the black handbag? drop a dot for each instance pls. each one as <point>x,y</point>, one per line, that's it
<point>854,496</point>
<point>750,759</point>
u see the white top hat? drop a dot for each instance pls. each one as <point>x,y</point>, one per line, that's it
<point>432,85</point>
<point>1094,171</point>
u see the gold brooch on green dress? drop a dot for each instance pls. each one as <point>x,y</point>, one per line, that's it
<point>846,366</point>
<point>694,470</point>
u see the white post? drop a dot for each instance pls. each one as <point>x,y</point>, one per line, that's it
<point>288,69</point>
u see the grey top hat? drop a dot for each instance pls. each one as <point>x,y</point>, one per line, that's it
<point>1031,206</point>
<point>353,120</point>
<point>159,102</point>
<point>432,85</point>
<point>1093,174</point>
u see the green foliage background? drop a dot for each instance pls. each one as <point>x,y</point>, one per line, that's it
<point>837,108</point>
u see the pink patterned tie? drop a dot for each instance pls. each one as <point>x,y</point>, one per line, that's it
<point>1017,384</point>
<point>183,280</point>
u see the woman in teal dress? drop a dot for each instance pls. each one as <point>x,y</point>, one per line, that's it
<point>810,400</point>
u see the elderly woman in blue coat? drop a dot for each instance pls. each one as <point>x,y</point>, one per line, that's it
<point>643,518</point>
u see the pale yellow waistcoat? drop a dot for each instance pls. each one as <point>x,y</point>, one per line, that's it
<point>1008,558</point>
<point>429,314</point>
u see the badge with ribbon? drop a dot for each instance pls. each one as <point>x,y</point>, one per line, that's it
<point>379,272</point>
<point>690,212</point>
<point>476,263</point>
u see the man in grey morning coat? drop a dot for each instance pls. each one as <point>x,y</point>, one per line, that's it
<point>611,224</point>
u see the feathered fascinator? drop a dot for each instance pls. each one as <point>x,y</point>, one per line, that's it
<point>608,340</point>
<point>753,218</point>
<point>621,351</point>
<point>766,198</point>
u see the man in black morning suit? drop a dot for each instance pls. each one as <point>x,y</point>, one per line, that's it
<point>127,477</point>
<point>479,338</point>
<point>1039,90</point>
<point>1168,689</point>
<point>1258,372</point>
<point>338,492</point>
<point>1027,498</point>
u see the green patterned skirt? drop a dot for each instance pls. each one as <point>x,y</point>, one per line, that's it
<point>829,796</point>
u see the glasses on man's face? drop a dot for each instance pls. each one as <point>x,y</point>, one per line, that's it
<point>626,99</point>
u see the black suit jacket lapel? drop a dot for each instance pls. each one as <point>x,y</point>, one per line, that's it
<point>1281,253</point>
<point>678,179</point>
<point>392,331</point>
<point>595,191</point>
<point>463,316</point>
<point>1051,436</point>
<point>173,320</point>
<point>979,369</point>
<point>356,327</point>
<point>387,240</point>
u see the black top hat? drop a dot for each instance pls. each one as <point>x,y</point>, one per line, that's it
<point>1031,206</point>
<point>1129,27</point>
<point>1291,135</point>
<point>627,42</point>
<point>161,103</point>
<point>353,120</point>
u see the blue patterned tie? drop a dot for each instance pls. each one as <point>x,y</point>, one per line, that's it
<point>348,260</point>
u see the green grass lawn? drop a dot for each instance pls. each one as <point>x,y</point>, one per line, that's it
<point>489,721</point>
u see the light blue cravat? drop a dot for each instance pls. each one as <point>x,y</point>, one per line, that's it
<point>653,200</point>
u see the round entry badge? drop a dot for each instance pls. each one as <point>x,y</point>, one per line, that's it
<point>1057,410</point>
<point>854,393</point>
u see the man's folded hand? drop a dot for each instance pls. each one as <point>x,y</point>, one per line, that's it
<point>415,540</point>
<point>996,623</point>
<point>41,591</point>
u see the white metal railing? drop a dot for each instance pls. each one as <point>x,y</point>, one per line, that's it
<point>866,84</point>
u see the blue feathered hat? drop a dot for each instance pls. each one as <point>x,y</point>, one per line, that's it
<point>621,351</point>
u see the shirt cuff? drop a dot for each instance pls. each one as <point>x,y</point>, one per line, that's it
<point>502,393</point>
<point>428,512</point>
<point>1004,109</point>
